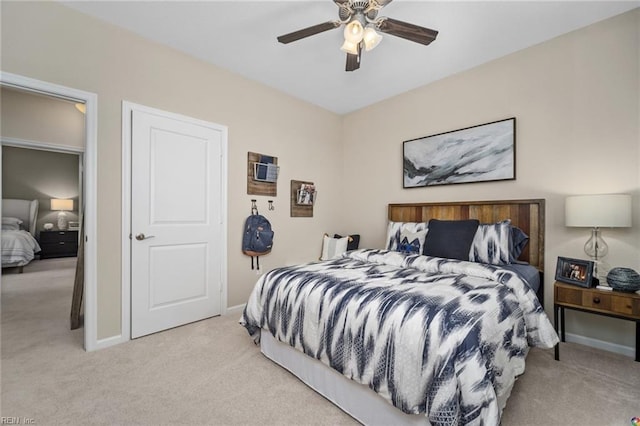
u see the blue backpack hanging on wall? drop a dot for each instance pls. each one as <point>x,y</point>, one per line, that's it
<point>257,239</point>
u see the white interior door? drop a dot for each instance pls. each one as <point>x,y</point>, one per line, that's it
<point>176,221</point>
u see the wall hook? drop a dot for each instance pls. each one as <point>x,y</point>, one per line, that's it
<point>254,207</point>
<point>271,205</point>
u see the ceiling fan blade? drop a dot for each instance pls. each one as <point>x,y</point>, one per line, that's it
<point>353,61</point>
<point>306,32</point>
<point>407,31</point>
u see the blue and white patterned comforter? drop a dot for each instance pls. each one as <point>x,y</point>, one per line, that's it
<point>436,336</point>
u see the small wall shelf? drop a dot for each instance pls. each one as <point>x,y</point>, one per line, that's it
<point>257,187</point>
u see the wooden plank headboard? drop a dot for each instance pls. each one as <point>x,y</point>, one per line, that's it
<point>527,215</point>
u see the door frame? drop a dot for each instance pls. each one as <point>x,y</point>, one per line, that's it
<point>127,118</point>
<point>91,342</point>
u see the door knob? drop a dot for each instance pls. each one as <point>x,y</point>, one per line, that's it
<point>141,237</point>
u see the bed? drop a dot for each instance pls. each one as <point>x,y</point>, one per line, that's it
<point>19,245</point>
<point>394,336</point>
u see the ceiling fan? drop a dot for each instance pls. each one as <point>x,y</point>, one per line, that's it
<point>361,26</point>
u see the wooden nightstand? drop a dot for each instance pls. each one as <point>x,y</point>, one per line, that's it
<point>58,244</point>
<point>614,304</point>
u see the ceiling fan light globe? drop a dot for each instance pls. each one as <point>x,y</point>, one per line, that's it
<point>349,47</point>
<point>371,38</point>
<point>353,32</point>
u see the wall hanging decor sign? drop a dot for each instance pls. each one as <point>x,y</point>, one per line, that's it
<point>303,196</point>
<point>262,174</point>
<point>482,153</point>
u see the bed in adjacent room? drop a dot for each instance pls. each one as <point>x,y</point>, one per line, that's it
<point>433,329</point>
<point>19,245</point>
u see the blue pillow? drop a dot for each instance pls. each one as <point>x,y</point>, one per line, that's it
<point>450,239</point>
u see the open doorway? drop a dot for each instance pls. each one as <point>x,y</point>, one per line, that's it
<point>85,211</point>
<point>43,142</point>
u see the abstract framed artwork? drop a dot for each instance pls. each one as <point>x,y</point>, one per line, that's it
<point>482,153</point>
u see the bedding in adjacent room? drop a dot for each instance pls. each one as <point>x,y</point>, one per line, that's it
<point>441,337</point>
<point>19,245</point>
<point>18,248</point>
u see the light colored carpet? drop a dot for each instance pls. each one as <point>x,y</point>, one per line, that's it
<point>210,372</point>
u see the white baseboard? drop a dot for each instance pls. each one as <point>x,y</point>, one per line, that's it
<point>235,309</point>
<point>108,342</point>
<point>601,344</point>
<point>116,340</point>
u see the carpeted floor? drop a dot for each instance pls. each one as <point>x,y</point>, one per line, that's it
<point>210,372</point>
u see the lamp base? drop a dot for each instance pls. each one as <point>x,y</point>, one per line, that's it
<point>596,248</point>
<point>63,224</point>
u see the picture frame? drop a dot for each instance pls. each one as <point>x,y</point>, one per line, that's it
<point>575,271</point>
<point>306,195</point>
<point>480,153</point>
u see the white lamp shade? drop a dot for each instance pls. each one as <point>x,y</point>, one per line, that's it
<point>371,38</point>
<point>602,210</point>
<point>58,204</point>
<point>349,47</point>
<point>353,32</point>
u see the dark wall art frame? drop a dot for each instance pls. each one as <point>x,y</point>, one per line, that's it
<point>481,153</point>
<point>575,271</point>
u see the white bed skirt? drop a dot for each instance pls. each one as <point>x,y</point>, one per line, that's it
<point>357,400</point>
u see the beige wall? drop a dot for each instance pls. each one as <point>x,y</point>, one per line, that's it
<point>31,174</point>
<point>576,101</point>
<point>49,42</point>
<point>40,118</point>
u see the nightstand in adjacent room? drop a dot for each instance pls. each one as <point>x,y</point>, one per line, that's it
<point>58,244</point>
<point>614,304</point>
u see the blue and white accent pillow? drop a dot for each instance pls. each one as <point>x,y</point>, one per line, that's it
<point>395,229</point>
<point>412,242</point>
<point>491,243</point>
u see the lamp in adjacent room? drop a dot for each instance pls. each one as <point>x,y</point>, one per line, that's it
<point>595,212</point>
<point>62,206</point>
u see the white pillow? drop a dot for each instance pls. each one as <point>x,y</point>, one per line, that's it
<point>412,242</point>
<point>333,247</point>
<point>11,224</point>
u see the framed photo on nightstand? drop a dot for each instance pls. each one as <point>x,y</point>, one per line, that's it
<point>575,271</point>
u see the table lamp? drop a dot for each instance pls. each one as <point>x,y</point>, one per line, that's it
<point>595,212</point>
<point>61,206</point>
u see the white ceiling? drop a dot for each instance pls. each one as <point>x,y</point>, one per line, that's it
<point>241,36</point>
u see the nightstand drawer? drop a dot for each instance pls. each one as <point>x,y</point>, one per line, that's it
<point>572,296</point>
<point>61,247</point>
<point>57,236</point>
<point>625,305</point>
<point>597,300</point>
